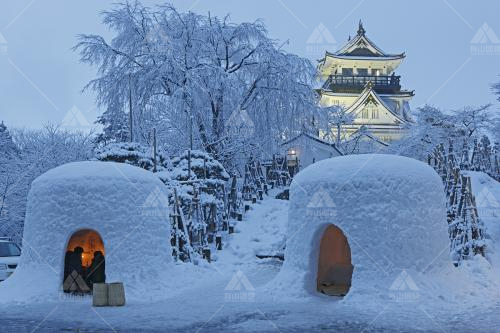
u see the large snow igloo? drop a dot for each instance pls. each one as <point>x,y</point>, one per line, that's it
<point>117,209</point>
<point>356,222</point>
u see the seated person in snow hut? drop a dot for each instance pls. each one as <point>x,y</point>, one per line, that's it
<point>75,261</point>
<point>97,269</point>
<point>67,261</point>
<point>73,264</point>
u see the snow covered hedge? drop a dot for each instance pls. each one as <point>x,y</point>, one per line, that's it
<point>132,153</point>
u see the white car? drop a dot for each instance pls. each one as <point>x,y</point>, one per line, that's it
<point>9,258</point>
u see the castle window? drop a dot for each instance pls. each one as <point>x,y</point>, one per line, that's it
<point>363,71</point>
<point>347,71</point>
<point>365,113</point>
<point>375,114</point>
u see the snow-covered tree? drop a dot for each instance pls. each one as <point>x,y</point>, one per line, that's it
<point>36,151</point>
<point>336,118</point>
<point>473,121</point>
<point>7,147</point>
<point>188,74</point>
<point>432,127</point>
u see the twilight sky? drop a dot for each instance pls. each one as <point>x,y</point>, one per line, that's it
<point>41,78</point>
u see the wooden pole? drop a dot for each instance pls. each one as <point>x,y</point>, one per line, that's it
<point>189,164</point>
<point>154,149</point>
<point>130,108</point>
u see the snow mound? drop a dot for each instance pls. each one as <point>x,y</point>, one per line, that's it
<point>486,190</point>
<point>392,211</point>
<point>123,203</point>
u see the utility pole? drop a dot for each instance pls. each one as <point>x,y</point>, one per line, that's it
<point>130,108</point>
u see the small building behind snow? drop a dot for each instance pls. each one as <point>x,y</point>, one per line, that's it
<point>306,149</point>
<point>80,211</point>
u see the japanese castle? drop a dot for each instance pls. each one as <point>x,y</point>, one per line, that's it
<point>360,76</point>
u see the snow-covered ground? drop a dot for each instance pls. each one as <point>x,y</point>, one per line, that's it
<point>200,301</point>
<point>487,193</point>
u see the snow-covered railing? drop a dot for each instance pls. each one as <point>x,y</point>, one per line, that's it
<point>464,225</point>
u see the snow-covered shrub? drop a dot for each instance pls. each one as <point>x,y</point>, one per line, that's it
<point>132,153</point>
<point>201,193</point>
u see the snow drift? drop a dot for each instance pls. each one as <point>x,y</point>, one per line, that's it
<point>123,203</point>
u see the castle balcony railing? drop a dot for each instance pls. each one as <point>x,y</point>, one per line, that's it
<point>383,84</point>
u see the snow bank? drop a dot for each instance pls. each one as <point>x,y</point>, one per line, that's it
<point>487,193</point>
<point>123,203</point>
<point>391,210</point>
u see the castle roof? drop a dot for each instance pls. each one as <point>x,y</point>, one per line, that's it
<point>369,95</point>
<point>361,47</point>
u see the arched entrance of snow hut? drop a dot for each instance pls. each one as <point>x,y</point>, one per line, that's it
<point>84,262</point>
<point>335,269</point>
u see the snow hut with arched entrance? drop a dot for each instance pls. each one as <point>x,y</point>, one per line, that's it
<point>92,221</point>
<point>357,222</point>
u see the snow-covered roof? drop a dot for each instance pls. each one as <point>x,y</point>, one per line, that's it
<point>357,134</point>
<point>361,47</point>
<point>391,209</point>
<point>314,138</point>
<point>370,94</point>
<point>126,205</point>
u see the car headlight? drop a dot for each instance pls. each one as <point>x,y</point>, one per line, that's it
<point>3,267</point>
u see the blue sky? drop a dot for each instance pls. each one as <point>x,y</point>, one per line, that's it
<point>41,78</point>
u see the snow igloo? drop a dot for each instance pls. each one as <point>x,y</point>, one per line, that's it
<point>115,209</point>
<point>358,224</point>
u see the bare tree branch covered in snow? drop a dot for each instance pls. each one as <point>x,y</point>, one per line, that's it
<point>333,121</point>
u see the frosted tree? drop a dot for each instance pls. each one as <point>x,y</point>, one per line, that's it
<point>188,74</point>
<point>8,149</point>
<point>473,121</point>
<point>10,212</point>
<point>26,154</point>
<point>335,119</point>
<point>431,128</point>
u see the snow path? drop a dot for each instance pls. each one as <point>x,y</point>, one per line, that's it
<point>199,305</point>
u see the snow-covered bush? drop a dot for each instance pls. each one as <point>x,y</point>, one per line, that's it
<point>132,153</point>
<point>200,184</point>
<point>207,176</point>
